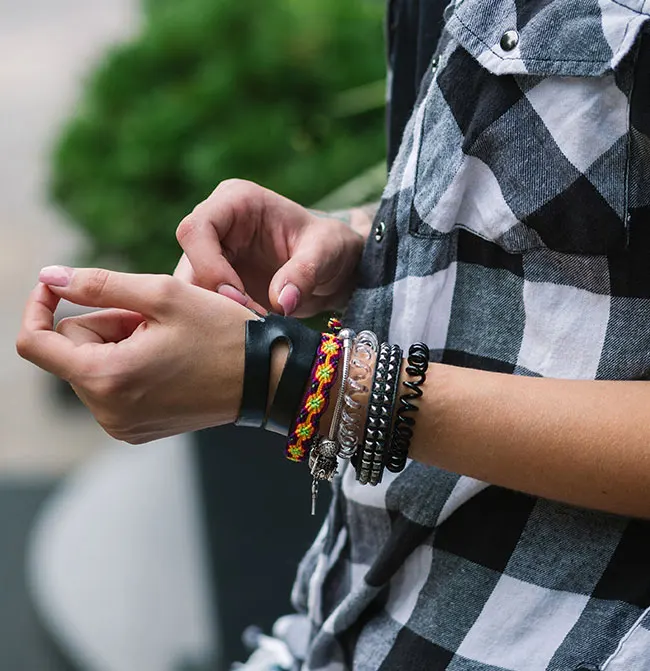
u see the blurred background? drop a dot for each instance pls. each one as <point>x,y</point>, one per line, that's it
<point>116,118</point>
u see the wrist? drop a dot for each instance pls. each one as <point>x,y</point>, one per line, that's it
<point>440,390</point>
<point>358,219</point>
<point>361,220</point>
<point>274,373</point>
<point>279,356</point>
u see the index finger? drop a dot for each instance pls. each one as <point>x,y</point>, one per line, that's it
<point>149,295</point>
<point>201,236</point>
<point>38,342</point>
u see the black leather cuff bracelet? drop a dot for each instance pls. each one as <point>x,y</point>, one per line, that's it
<point>261,335</point>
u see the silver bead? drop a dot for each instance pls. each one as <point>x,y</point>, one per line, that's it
<point>347,334</point>
<point>328,448</point>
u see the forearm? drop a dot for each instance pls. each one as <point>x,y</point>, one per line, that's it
<point>581,442</point>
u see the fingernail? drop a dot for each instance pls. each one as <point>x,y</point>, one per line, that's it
<point>56,276</point>
<point>289,298</point>
<point>229,291</point>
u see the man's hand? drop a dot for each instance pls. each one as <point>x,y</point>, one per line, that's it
<point>267,252</point>
<point>165,358</point>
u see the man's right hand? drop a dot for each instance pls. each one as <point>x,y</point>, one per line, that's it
<point>267,252</point>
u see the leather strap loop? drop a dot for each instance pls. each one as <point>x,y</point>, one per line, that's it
<point>261,335</point>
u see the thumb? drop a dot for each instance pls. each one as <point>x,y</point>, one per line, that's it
<point>296,281</point>
<point>99,288</point>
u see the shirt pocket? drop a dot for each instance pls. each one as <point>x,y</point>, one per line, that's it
<point>522,134</point>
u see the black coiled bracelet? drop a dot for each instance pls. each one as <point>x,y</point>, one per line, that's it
<point>418,364</point>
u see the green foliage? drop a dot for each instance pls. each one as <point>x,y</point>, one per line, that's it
<point>213,89</point>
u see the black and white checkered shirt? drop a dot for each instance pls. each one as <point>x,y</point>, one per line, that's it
<point>517,239</point>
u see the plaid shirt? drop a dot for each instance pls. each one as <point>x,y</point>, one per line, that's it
<point>517,239</point>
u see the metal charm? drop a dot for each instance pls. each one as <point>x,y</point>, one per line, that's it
<point>323,465</point>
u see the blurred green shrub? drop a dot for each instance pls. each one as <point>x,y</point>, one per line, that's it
<point>282,92</point>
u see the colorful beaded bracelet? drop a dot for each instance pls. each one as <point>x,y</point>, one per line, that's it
<point>316,399</point>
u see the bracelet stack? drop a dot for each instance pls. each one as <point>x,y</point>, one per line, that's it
<point>375,411</point>
<point>373,419</point>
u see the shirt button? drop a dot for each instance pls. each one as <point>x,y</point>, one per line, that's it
<point>434,63</point>
<point>509,40</point>
<point>380,230</point>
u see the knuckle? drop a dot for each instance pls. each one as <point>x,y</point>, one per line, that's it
<point>239,197</point>
<point>236,187</point>
<point>115,388</point>
<point>85,374</point>
<point>64,325</point>
<point>308,270</point>
<point>187,228</point>
<point>24,344</point>
<point>165,292</point>
<point>233,190</point>
<point>96,282</point>
<point>102,384</point>
<point>105,388</point>
<point>95,387</point>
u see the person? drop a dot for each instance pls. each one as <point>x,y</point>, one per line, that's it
<point>513,239</point>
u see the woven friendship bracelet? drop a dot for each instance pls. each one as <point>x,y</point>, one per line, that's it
<point>316,399</point>
<point>334,325</point>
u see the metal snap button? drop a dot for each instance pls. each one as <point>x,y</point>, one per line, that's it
<point>380,230</point>
<point>509,40</point>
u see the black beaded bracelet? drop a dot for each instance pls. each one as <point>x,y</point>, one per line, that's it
<point>390,395</point>
<point>418,364</point>
<point>364,456</point>
<point>370,461</point>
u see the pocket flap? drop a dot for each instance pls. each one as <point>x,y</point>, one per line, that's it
<point>548,37</point>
